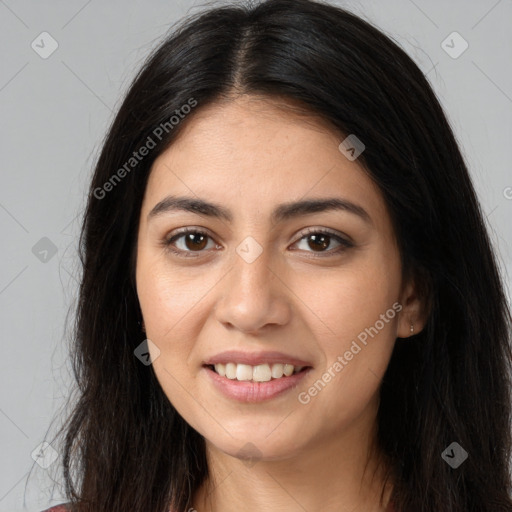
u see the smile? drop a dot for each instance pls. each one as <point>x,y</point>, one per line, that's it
<point>240,381</point>
<point>259,373</point>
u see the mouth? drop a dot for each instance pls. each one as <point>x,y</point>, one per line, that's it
<point>248,389</point>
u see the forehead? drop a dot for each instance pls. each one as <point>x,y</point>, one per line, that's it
<point>251,153</point>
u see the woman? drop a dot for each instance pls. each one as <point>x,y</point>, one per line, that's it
<point>289,298</point>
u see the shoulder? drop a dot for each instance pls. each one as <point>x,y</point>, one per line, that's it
<point>63,507</point>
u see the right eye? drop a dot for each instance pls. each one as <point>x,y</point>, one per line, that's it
<point>191,240</point>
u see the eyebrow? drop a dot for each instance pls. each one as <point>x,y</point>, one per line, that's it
<point>281,213</point>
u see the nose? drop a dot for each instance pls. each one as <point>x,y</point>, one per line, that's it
<point>253,297</point>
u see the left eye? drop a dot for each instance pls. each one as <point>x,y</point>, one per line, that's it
<point>194,240</point>
<point>321,240</point>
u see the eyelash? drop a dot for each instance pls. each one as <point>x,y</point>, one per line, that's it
<point>344,244</point>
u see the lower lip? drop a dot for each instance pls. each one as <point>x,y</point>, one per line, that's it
<point>253,392</point>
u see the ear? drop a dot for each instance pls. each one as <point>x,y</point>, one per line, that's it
<point>415,303</point>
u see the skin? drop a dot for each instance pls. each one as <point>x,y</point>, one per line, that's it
<point>250,156</point>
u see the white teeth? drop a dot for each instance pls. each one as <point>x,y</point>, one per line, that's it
<point>243,372</point>
<point>288,369</point>
<point>231,371</point>
<point>260,373</point>
<point>221,369</point>
<point>277,370</point>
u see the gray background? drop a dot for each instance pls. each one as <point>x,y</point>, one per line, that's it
<point>55,112</point>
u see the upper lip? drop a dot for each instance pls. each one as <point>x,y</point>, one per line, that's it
<point>254,358</point>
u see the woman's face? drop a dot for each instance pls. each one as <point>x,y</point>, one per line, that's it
<point>268,280</point>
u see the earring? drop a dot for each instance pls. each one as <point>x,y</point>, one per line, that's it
<point>412,329</point>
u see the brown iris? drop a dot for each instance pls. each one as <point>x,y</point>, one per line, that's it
<point>321,241</point>
<point>196,241</point>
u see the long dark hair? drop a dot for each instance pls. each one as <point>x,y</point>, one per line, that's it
<point>125,446</point>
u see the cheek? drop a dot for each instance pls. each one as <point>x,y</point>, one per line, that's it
<point>169,297</point>
<point>353,316</point>
<point>169,302</point>
<point>345,302</point>
<point>356,337</point>
<point>174,303</point>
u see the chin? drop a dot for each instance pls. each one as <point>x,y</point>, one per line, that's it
<point>263,443</point>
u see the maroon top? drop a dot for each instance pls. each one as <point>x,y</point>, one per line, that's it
<point>63,508</point>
